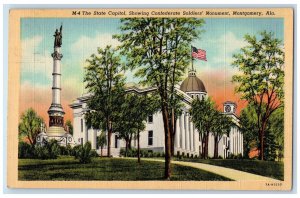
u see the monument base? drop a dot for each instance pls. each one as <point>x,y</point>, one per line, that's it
<point>56,131</point>
<point>62,137</point>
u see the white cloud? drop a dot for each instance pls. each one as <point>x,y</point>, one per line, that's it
<point>231,42</point>
<point>35,58</point>
<point>85,46</point>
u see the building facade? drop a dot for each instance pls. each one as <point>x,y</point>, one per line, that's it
<point>187,138</point>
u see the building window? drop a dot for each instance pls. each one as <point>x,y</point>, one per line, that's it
<point>81,122</point>
<point>116,141</point>
<point>150,138</point>
<point>150,118</point>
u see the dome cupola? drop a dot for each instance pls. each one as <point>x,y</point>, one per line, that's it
<point>193,86</point>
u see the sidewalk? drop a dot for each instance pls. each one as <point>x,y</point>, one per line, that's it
<point>226,172</point>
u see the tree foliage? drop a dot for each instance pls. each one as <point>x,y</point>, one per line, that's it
<point>221,126</point>
<point>105,81</point>
<point>69,126</point>
<point>159,50</point>
<point>132,116</point>
<point>274,133</point>
<point>248,123</point>
<point>262,77</point>
<point>30,126</point>
<point>101,142</point>
<point>202,112</point>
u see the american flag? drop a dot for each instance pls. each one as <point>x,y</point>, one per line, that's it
<point>198,53</point>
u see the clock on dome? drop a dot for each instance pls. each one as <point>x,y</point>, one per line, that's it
<point>227,108</point>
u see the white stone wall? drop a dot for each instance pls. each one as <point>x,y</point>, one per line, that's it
<point>186,138</point>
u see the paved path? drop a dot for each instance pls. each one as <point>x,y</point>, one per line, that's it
<point>226,172</point>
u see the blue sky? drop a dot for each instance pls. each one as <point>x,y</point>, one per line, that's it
<point>81,37</point>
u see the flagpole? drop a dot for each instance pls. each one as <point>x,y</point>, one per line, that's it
<point>192,58</point>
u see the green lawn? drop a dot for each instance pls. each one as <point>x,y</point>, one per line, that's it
<point>265,168</point>
<point>67,168</point>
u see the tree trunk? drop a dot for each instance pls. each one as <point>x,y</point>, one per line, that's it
<point>109,142</point>
<point>203,146</point>
<point>206,145</point>
<point>216,148</point>
<point>126,147</point>
<point>101,151</point>
<point>138,145</point>
<point>167,144</point>
<point>173,125</point>
<point>261,138</point>
<point>172,145</point>
<point>129,143</point>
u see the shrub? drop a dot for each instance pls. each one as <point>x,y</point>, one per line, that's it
<point>25,150</point>
<point>94,153</point>
<point>66,150</point>
<point>75,149</point>
<point>41,152</point>
<point>84,153</point>
<point>144,153</point>
<point>50,150</point>
<point>122,152</point>
<point>239,156</point>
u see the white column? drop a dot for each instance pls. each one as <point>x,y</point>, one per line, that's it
<point>56,79</point>
<point>235,136</point>
<point>187,138</point>
<point>234,141</point>
<point>85,137</point>
<point>94,138</point>
<point>177,137</point>
<point>240,141</point>
<point>242,144</point>
<point>237,141</point>
<point>231,140</point>
<point>192,136</point>
<point>182,131</point>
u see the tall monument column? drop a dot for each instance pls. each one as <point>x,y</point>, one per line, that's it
<point>56,113</point>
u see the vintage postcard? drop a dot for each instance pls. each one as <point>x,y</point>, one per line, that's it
<point>197,98</point>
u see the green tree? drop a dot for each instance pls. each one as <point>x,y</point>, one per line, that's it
<point>248,120</point>
<point>274,133</point>
<point>159,50</point>
<point>30,125</point>
<point>105,82</point>
<point>262,78</point>
<point>69,126</point>
<point>276,129</point>
<point>221,126</point>
<point>101,142</point>
<point>133,113</point>
<point>204,114</point>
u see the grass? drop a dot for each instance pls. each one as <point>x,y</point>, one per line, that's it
<point>265,168</point>
<point>67,168</point>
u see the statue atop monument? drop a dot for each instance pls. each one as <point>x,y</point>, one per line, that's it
<point>58,37</point>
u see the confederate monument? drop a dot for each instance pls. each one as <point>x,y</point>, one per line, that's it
<point>56,113</point>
